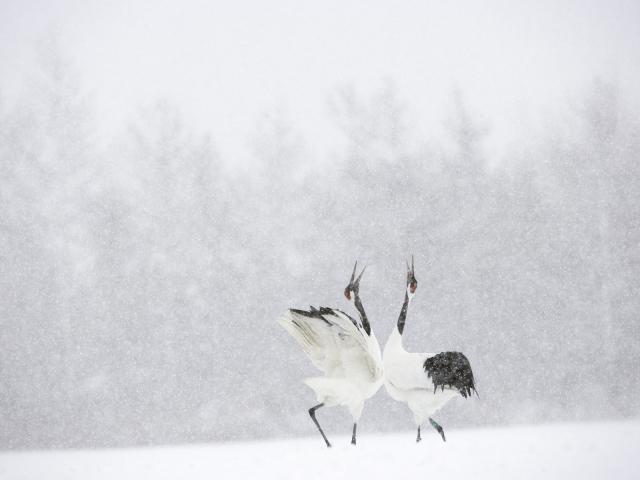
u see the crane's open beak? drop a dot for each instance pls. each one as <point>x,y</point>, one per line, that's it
<point>353,274</point>
<point>354,282</point>
<point>360,276</point>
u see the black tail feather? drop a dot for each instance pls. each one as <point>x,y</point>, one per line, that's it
<point>453,370</point>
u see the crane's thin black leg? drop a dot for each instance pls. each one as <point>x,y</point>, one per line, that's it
<point>418,438</point>
<point>312,414</point>
<point>353,436</point>
<point>435,425</point>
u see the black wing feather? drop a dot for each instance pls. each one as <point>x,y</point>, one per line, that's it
<point>315,313</point>
<point>451,369</point>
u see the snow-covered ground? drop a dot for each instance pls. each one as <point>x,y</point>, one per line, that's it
<point>567,451</point>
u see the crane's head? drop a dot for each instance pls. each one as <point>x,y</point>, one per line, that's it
<point>412,283</point>
<point>351,290</point>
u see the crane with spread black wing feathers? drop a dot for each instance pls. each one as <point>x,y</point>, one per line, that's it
<point>424,381</point>
<point>344,349</point>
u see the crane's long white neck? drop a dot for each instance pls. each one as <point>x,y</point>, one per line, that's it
<point>363,315</point>
<point>357,303</point>
<point>403,313</point>
<point>395,338</point>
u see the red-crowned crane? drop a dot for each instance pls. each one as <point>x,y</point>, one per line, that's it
<point>424,381</point>
<point>344,349</point>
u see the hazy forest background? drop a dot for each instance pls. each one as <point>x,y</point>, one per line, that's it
<point>142,274</point>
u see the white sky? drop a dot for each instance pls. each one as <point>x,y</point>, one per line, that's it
<point>226,63</point>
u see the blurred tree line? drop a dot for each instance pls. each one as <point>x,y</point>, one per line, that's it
<point>142,276</point>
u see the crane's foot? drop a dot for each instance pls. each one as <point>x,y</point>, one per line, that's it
<point>418,438</point>
<point>435,425</point>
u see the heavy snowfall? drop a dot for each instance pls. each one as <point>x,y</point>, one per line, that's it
<point>173,178</point>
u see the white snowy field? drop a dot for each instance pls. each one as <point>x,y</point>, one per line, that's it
<point>585,451</point>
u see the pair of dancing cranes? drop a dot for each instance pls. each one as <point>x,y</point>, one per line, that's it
<point>348,354</point>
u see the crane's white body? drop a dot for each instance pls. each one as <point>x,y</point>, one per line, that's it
<point>406,381</point>
<point>338,346</point>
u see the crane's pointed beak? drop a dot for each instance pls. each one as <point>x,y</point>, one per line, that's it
<point>357,283</point>
<point>353,274</point>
